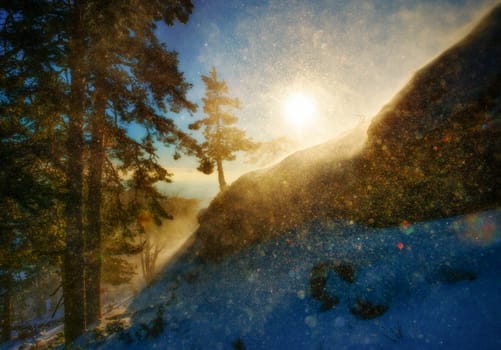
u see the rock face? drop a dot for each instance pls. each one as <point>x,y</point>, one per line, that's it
<point>433,151</point>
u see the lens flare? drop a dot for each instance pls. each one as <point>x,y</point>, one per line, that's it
<point>299,109</point>
<point>478,229</point>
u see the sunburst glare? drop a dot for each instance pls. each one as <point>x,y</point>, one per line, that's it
<point>299,109</point>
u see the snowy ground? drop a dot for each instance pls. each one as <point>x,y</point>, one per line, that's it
<point>440,281</point>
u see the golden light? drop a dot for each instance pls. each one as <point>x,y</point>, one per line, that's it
<point>299,109</point>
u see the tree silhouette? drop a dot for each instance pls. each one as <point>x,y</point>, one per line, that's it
<point>87,71</point>
<point>222,138</point>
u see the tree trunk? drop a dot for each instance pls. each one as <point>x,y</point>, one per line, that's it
<point>6,297</point>
<point>94,200</point>
<point>73,262</point>
<point>219,160</point>
<point>220,174</point>
<point>39,306</point>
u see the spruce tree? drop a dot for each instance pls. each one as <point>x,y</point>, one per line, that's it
<point>94,68</point>
<point>30,141</point>
<point>221,138</point>
<point>28,197</point>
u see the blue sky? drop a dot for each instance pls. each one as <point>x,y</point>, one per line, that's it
<point>351,57</point>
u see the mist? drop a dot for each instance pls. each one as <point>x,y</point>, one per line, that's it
<point>163,241</point>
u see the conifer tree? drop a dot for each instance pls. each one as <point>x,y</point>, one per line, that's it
<point>28,186</point>
<point>30,141</point>
<point>101,68</point>
<point>222,138</point>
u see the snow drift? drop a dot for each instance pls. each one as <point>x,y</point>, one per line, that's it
<point>431,285</point>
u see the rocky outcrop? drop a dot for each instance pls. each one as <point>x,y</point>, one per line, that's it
<point>433,151</point>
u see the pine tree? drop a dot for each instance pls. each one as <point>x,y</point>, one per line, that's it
<point>27,197</point>
<point>30,139</point>
<point>108,71</point>
<point>222,138</point>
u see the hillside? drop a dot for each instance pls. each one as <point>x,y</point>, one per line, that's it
<point>334,286</point>
<point>432,152</point>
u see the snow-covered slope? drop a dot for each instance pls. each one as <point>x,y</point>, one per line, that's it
<point>433,151</point>
<point>427,286</point>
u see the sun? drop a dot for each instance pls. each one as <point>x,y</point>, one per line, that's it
<point>298,109</point>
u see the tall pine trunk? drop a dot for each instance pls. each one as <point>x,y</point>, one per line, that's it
<point>219,160</point>
<point>6,305</point>
<point>73,262</point>
<point>220,174</point>
<point>94,200</point>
